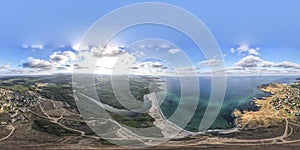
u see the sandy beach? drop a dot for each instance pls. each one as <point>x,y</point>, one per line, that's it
<point>169,129</point>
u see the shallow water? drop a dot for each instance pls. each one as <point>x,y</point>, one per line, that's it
<point>240,91</point>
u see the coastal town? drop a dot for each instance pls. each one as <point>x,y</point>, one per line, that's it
<point>282,105</point>
<point>288,100</point>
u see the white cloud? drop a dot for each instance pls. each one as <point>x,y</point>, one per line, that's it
<point>2,67</point>
<point>150,67</point>
<point>150,64</point>
<point>34,46</point>
<point>62,58</point>
<point>106,62</point>
<point>38,46</point>
<point>108,51</point>
<point>164,46</point>
<point>248,71</point>
<point>245,49</point>
<point>58,62</point>
<point>253,52</point>
<point>287,64</point>
<point>253,61</point>
<point>210,62</point>
<point>253,64</point>
<point>232,50</point>
<point>266,64</point>
<point>120,64</point>
<point>174,50</point>
<point>187,70</point>
<point>37,64</point>
<point>249,61</point>
<point>80,47</point>
<point>103,58</point>
<point>139,54</point>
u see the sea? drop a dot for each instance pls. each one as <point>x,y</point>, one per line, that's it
<point>239,94</point>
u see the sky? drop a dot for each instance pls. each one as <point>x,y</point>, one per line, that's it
<point>255,37</point>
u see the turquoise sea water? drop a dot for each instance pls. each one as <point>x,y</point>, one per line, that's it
<point>240,91</point>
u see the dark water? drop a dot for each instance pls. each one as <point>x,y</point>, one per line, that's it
<point>240,91</point>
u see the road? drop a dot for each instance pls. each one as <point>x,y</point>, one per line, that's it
<point>11,132</point>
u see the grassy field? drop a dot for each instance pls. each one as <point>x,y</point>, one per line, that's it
<point>19,84</point>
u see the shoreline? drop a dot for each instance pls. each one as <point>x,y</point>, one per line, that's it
<point>159,117</point>
<point>261,103</point>
<point>169,129</point>
<point>273,109</point>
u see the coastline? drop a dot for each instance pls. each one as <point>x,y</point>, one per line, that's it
<point>269,113</point>
<point>265,116</point>
<point>161,122</point>
<point>169,129</point>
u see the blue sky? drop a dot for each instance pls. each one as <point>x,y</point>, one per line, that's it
<point>32,31</point>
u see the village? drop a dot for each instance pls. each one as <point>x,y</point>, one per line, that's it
<point>288,100</point>
<point>13,102</point>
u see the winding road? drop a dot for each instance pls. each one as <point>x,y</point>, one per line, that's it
<point>11,132</point>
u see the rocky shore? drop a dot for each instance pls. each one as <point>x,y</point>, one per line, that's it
<point>272,111</point>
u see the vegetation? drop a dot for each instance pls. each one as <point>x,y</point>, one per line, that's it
<point>52,128</point>
<point>140,121</point>
<point>59,93</point>
<point>105,142</point>
<point>19,84</point>
<point>296,86</point>
<point>138,88</point>
<point>59,88</point>
<point>82,126</point>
